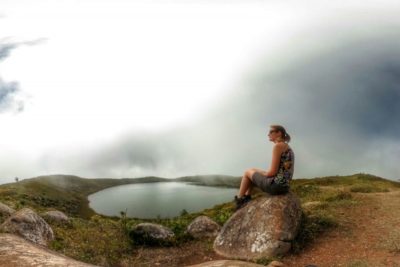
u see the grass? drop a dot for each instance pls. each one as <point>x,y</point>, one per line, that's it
<point>311,226</point>
<point>98,241</point>
<point>349,180</point>
<point>357,263</point>
<point>367,188</point>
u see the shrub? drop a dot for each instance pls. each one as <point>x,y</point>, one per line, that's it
<point>307,191</point>
<point>341,195</point>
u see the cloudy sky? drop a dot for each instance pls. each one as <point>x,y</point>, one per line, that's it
<point>119,88</point>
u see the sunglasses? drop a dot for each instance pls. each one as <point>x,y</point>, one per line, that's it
<point>272,131</point>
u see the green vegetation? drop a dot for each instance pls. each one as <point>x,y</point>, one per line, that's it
<point>106,241</point>
<point>349,180</point>
<point>357,263</point>
<point>98,240</point>
<point>366,188</point>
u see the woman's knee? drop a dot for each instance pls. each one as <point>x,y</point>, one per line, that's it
<point>249,173</point>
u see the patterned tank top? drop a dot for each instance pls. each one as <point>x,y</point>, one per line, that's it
<point>286,168</point>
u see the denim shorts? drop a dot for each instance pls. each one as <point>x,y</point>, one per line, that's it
<point>267,184</point>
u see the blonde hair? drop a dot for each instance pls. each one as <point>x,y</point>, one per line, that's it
<point>280,128</point>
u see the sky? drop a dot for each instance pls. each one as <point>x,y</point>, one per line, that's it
<point>174,88</point>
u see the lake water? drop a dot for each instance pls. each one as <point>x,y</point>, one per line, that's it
<point>164,199</point>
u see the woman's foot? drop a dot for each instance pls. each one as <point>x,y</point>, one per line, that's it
<point>241,201</point>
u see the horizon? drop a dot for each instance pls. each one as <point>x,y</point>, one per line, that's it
<point>185,176</point>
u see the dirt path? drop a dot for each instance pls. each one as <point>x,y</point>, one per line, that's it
<point>368,235</point>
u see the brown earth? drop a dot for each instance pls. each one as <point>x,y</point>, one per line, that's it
<point>189,253</point>
<point>368,235</point>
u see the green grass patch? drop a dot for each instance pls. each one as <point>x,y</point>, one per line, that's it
<point>348,180</point>
<point>308,192</point>
<point>339,196</point>
<point>357,263</point>
<point>99,240</point>
<point>366,188</point>
<point>311,226</point>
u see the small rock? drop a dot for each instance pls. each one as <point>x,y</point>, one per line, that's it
<point>5,210</point>
<point>203,226</point>
<point>151,234</point>
<point>56,216</point>
<point>27,224</point>
<point>276,264</point>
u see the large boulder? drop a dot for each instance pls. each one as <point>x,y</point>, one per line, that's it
<point>18,252</point>
<point>264,227</point>
<point>5,210</point>
<point>203,227</point>
<point>151,234</point>
<point>27,224</point>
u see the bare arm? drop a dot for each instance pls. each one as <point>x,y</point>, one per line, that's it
<point>276,154</point>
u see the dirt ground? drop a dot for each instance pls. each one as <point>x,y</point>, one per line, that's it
<point>190,253</point>
<point>368,236</point>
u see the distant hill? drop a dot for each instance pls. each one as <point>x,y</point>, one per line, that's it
<point>212,180</point>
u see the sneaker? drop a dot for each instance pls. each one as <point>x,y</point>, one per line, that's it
<point>241,202</point>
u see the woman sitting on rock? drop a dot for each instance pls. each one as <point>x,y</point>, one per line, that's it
<point>275,180</point>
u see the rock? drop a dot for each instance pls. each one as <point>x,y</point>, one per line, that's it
<point>56,216</point>
<point>276,264</point>
<point>27,224</point>
<point>5,210</point>
<point>265,227</point>
<point>18,252</point>
<point>226,263</point>
<point>151,234</point>
<point>203,226</point>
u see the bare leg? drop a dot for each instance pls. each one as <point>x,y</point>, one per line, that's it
<point>248,192</point>
<point>246,184</point>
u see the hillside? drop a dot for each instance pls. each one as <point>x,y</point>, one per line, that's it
<point>212,180</point>
<point>349,221</point>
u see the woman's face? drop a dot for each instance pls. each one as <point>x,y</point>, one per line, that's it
<point>273,134</point>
